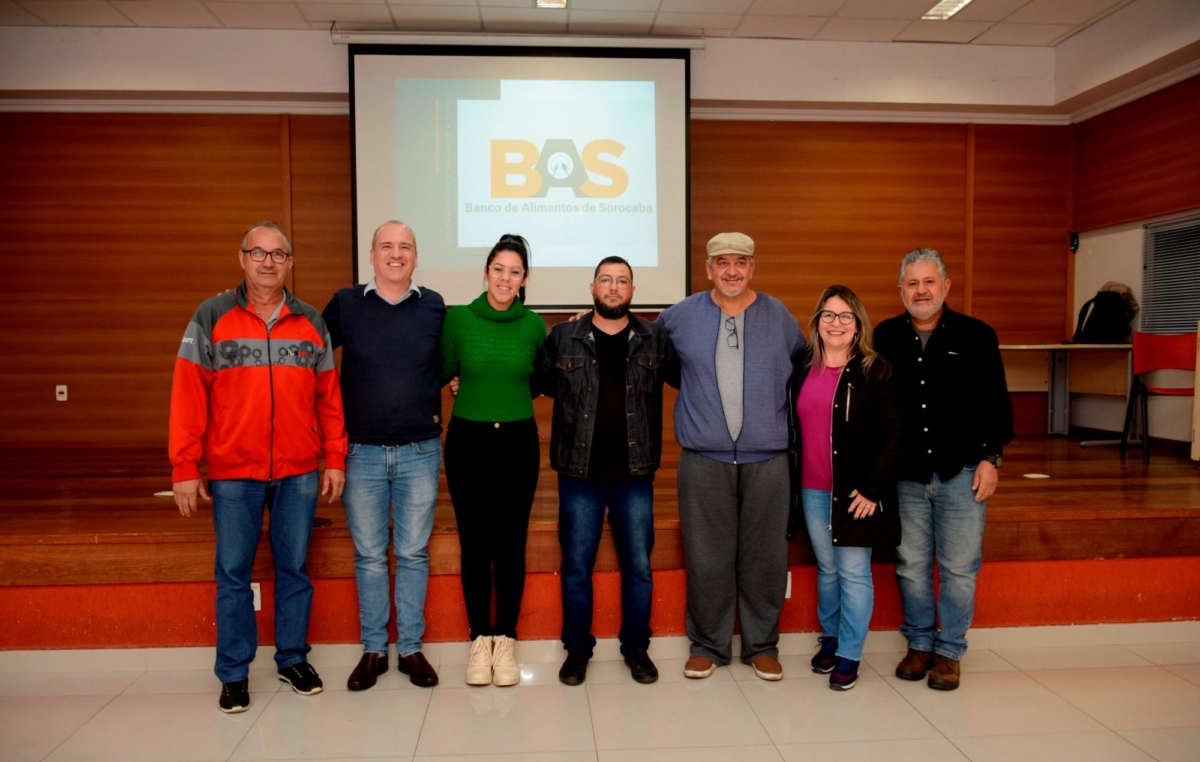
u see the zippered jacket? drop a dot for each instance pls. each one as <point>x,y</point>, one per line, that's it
<point>566,370</point>
<point>255,402</point>
<point>865,439</point>
<point>771,341</point>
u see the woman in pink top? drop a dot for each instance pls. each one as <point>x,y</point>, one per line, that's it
<point>845,431</point>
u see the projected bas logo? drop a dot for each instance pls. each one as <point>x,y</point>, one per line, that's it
<point>558,165</point>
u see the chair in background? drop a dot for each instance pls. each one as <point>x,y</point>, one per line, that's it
<point>1153,352</point>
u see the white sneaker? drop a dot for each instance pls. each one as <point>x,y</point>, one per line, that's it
<point>479,666</point>
<point>504,663</point>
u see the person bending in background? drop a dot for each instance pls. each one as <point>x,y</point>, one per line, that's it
<point>845,432</point>
<point>492,452</point>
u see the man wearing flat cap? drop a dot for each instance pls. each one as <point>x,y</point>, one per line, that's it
<point>735,349</point>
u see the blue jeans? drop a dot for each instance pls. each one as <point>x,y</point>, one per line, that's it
<point>580,522</point>
<point>406,479</point>
<point>939,520</point>
<point>237,518</point>
<point>845,591</point>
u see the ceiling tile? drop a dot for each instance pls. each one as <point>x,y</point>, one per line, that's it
<point>171,14</point>
<point>861,30</point>
<point>259,15</point>
<point>424,18</point>
<point>345,12</point>
<point>471,3</point>
<point>524,20</point>
<point>678,30</point>
<point>1061,11</point>
<point>601,22</point>
<point>704,6</point>
<point>942,31</point>
<point>885,9</point>
<point>796,7</point>
<point>988,10</point>
<point>703,20</point>
<point>646,6</point>
<point>76,13</point>
<point>1022,34</point>
<point>523,4</point>
<point>788,27</point>
<point>337,2</point>
<point>12,14</point>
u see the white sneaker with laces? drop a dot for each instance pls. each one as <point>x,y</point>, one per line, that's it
<point>504,663</point>
<point>479,666</point>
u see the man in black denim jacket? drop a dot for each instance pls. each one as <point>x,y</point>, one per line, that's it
<point>605,373</point>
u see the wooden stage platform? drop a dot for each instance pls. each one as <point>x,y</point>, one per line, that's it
<point>72,518</point>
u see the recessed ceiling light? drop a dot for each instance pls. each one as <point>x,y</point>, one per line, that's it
<point>563,3</point>
<point>940,12</point>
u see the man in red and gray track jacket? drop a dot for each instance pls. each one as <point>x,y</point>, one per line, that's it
<point>256,396</point>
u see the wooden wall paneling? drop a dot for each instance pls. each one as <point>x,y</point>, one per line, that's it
<point>969,222</point>
<point>829,203</point>
<point>285,184</point>
<point>1021,228</point>
<point>1069,315</point>
<point>321,216</point>
<point>113,228</point>
<point>1139,161</point>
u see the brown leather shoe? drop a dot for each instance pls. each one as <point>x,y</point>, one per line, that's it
<point>370,666</point>
<point>945,673</point>
<point>914,665</point>
<point>768,667</point>
<point>699,667</point>
<point>420,672</point>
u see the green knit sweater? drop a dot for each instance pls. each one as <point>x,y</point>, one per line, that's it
<point>492,353</point>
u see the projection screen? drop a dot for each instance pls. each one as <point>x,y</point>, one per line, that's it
<point>582,151</point>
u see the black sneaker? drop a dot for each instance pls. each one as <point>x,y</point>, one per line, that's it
<point>845,675</point>
<point>640,666</point>
<point>826,658</point>
<point>303,678</point>
<point>235,696</point>
<point>574,669</point>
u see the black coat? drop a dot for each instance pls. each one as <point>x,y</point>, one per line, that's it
<point>866,438</point>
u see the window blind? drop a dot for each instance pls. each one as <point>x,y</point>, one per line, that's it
<point>1171,276</point>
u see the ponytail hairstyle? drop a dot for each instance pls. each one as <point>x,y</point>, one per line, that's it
<point>517,245</point>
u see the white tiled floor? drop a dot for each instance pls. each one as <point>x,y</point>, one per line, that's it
<point>1103,693</point>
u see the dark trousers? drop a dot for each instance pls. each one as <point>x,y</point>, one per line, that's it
<point>581,505</point>
<point>492,472</point>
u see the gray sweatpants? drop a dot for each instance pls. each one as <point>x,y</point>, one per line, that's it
<point>734,523</point>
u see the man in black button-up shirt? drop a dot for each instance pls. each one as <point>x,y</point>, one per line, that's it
<point>957,419</point>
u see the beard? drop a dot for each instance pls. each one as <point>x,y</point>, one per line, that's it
<point>611,313</point>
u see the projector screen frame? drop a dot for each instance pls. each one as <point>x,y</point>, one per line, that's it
<point>682,54</point>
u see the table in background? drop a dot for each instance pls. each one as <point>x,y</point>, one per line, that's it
<point>1058,370</point>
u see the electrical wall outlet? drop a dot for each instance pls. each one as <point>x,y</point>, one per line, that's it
<point>788,594</point>
<point>60,392</point>
<point>258,593</point>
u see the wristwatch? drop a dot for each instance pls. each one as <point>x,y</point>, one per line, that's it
<point>995,460</point>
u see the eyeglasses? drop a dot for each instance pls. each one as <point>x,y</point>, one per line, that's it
<point>845,318</point>
<point>731,339</point>
<point>278,256</point>
<point>608,280</point>
<point>498,271</point>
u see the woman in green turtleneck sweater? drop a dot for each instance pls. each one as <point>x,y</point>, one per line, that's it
<point>492,453</point>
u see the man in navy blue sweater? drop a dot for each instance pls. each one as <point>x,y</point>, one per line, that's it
<point>389,331</point>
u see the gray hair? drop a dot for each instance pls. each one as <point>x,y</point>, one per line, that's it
<point>269,225</point>
<point>375,235</point>
<point>923,255</point>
